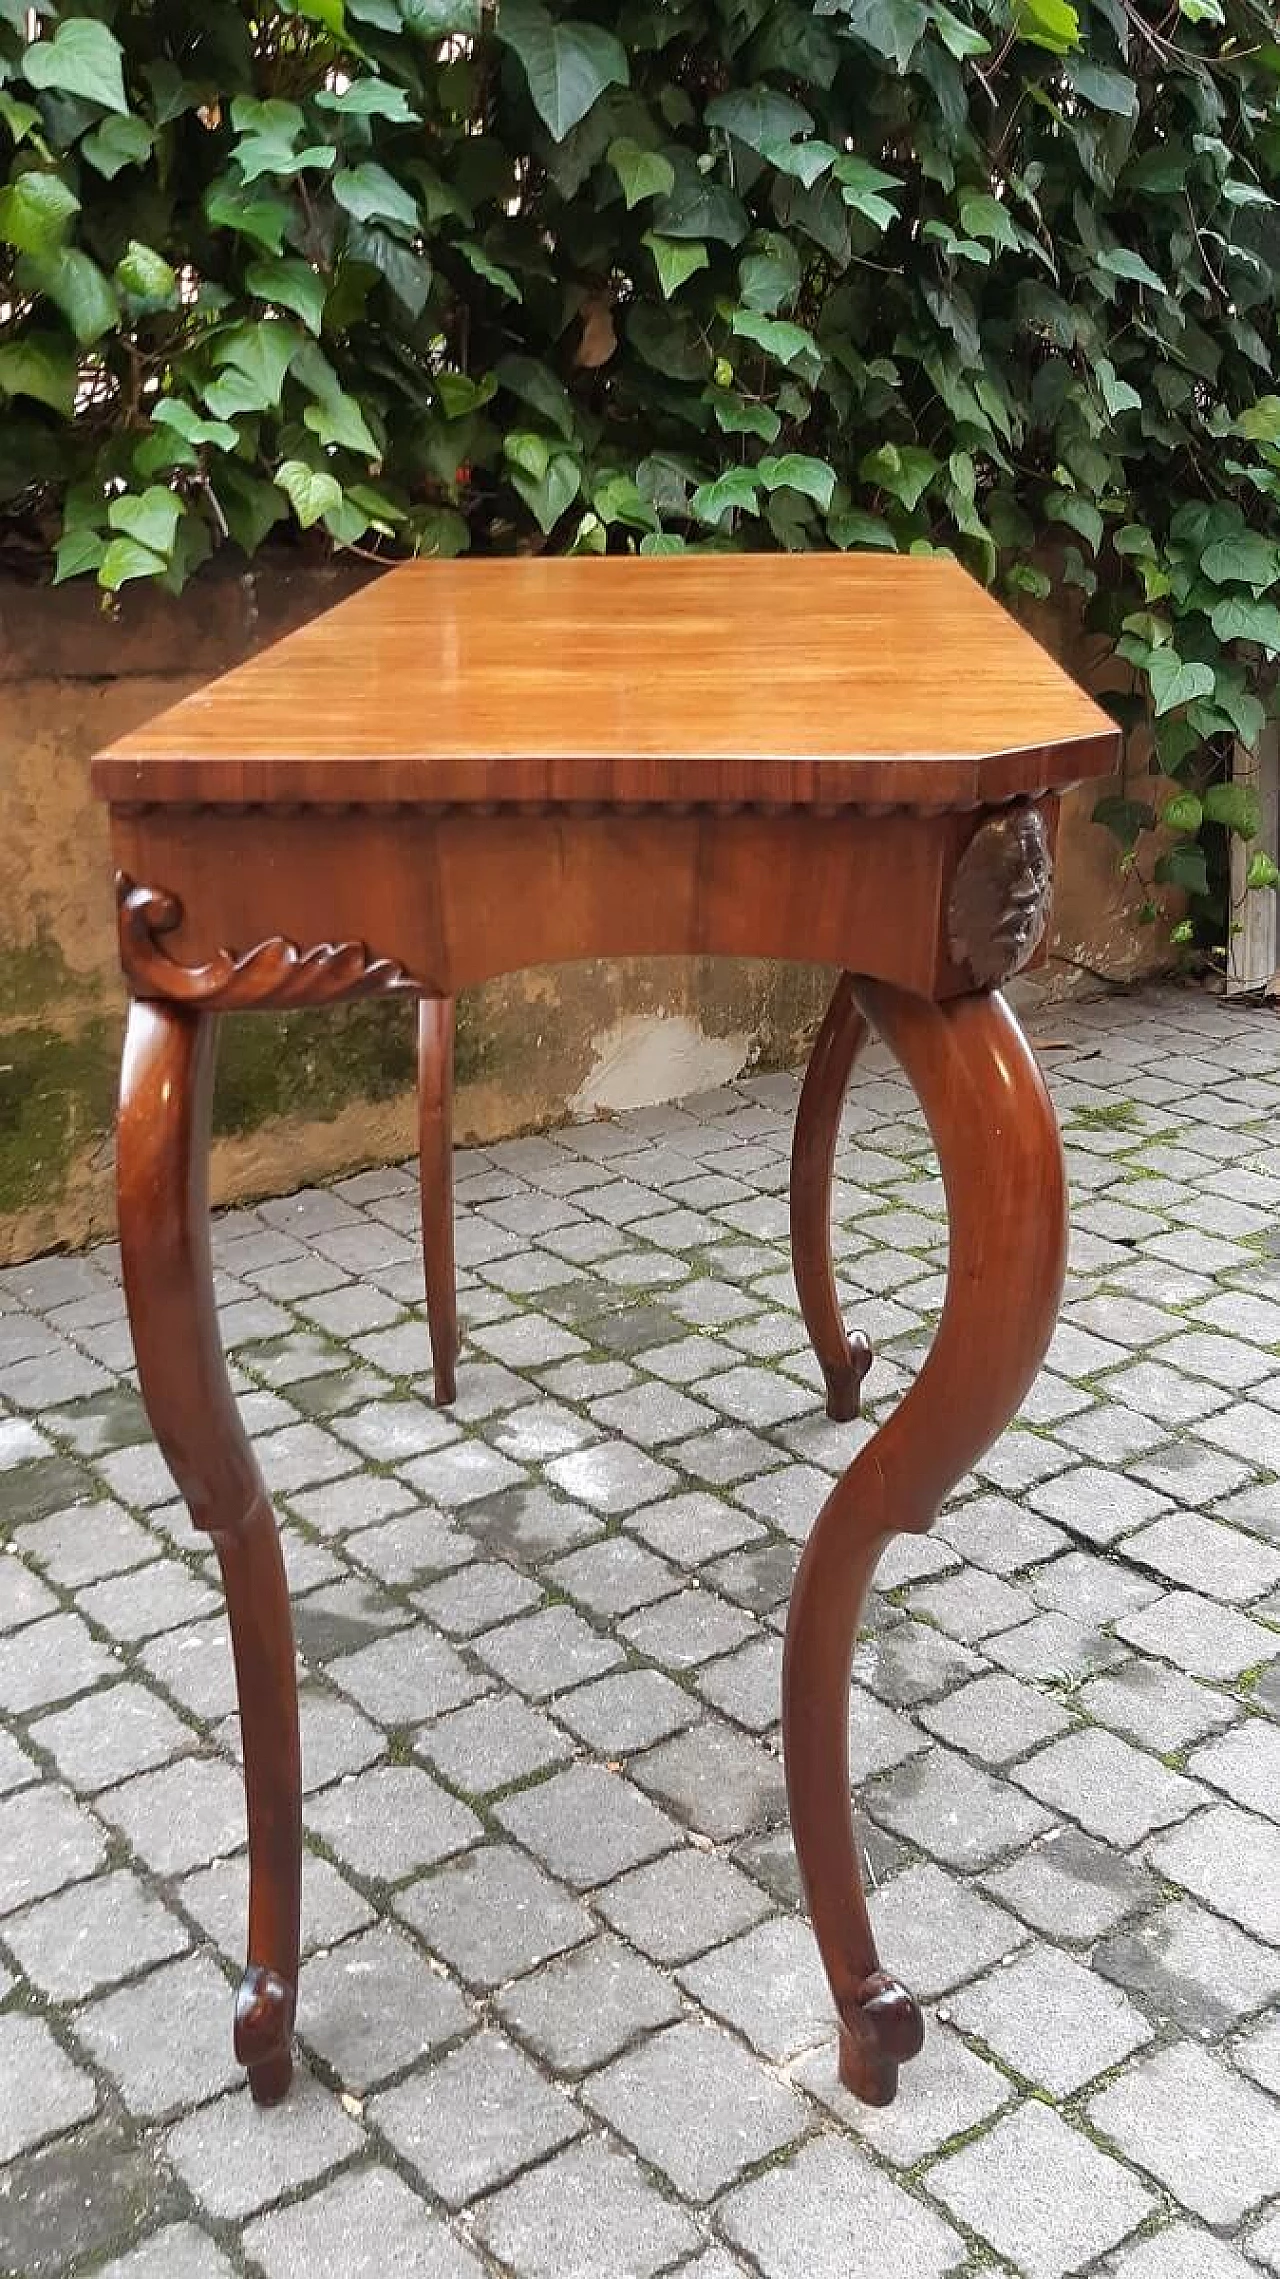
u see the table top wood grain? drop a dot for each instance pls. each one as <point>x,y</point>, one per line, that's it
<point>803,680</point>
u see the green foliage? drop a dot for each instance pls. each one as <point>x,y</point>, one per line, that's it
<point>997,276</point>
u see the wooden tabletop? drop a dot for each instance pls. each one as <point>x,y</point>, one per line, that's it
<point>802,680</point>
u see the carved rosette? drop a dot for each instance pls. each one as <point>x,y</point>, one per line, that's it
<point>1000,896</point>
<point>274,973</point>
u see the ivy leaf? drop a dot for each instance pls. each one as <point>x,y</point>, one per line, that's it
<point>367,99</point>
<point>567,65</point>
<point>117,143</point>
<point>618,498</point>
<point>1105,88</point>
<point>769,276</point>
<point>492,271</point>
<point>42,366</point>
<point>1238,620</point>
<point>127,558</point>
<point>256,214</point>
<point>759,117</point>
<point>1117,394</point>
<point>738,487</point>
<point>35,212</point>
<point>338,420</point>
<point>1173,683</point>
<point>83,58</point>
<point>1261,423</point>
<point>1120,261</point>
<point>1126,819</point>
<point>1236,807</point>
<point>1185,867</point>
<point>985,217</point>
<point>1262,871</point>
<point>789,344</point>
<point>793,471</point>
<point>369,194</point>
<point>185,420</point>
<point>309,492</point>
<point>18,117</point>
<point>442,19</point>
<point>960,38</point>
<point>533,384</point>
<point>1247,560</point>
<point>1050,24</point>
<point>549,495</point>
<point>152,519</point>
<point>78,550</point>
<point>891,28</point>
<point>736,416</point>
<point>675,259</point>
<point>460,395</point>
<point>145,278</point>
<point>292,285</point>
<point>904,470</point>
<point>262,354</point>
<point>77,287</point>
<point>642,173</point>
<point>1079,514</point>
<point>1185,813</point>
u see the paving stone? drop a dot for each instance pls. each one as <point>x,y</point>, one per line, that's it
<point>586,2006</point>
<point>108,1735</point>
<point>1053,2021</point>
<point>971,1605</point>
<point>74,2197</point>
<point>371,2006</point>
<point>478,2117</point>
<point>1054,1648</point>
<point>528,1525</point>
<point>991,1532</point>
<point>543,1653</point>
<point>719,1781</point>
<point>216,1896</point>
<point>50,1661</point>
<point>912,1663</point>
<point>459,1475</point>
<point>23,1597</point>
<point>46,1841</point>
<point>1227,1858</point>
<point>693,1528</point>
<point>16,1767</point>
<point>587,2213</point>
<point>769,1985</point>
<point>587,1824</point>
<point>1155,1706</point>
<point>390,1820</point>
<point>935,1931</point>
<point>691,1627</point>
<point>475,1597</point>
<point>1098,1505</point>
<point>492,1743</point>
<point>747,1685</point>
<point>1259,2054</point>
<point>1245,1764</point>
<point>1200,1637</point>
<point>177,2252</point>
<point>181,1815</point>
<point>813,2216</point>
<point>1200,1554</point>
<point>614,1577</point>
<point>1247,1430</point>
<point>45,2093</point>
<point>1117,1793</point>
<point>338,1508</point>
<point>1192,1474</point>
<point>953,1810</point>
<point>697,2107</point>
<point>789,1499</point>
<point>1071,1888</point>
<point>165,2041</point>
<point>1190,1968</point>
<point>493,1915</point>
<point>1041,2193</point>
<point>678,1906</point>
<point>951,2089</point>
<point>412,1547</point>
<point>343,1617</point>
<point>612,1479</point>
<point>628,1711</point>
<point>406,1677</point>
<point>363,2225</point>
<point>995,1719</point>
<point>1090,1588</point>
<point>234,2157</point>
<point>1182,2251</point>
<point>1221,2158</point>
<point>93,1934</point>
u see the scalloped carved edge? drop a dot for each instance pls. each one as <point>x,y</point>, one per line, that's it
<point>274,973</point>
<point>1000,896</point>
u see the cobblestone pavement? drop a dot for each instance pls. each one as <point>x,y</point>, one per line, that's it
<point>560,2015</point>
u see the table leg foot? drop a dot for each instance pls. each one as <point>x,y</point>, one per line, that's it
<point>435,1175</point>
<point>162,1152</point>
<point>1001,1162</point>
<point>843,1359</point>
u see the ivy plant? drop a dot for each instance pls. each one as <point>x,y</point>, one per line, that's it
<point>995,276</point>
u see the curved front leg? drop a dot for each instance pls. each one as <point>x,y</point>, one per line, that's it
<point>163,1142</point>
<point>435,1178</point>
<point>844,1360</point>
<point>1001,1157</point>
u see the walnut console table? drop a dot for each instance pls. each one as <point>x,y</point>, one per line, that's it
<point>474,767</point>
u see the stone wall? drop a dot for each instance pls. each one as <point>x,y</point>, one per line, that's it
<point>305,1096</point>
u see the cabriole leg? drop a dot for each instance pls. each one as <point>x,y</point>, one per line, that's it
<point>435,1174</point>
<point>844,1360</point>
<point>163,1144</point>
<point>1001,1159</point>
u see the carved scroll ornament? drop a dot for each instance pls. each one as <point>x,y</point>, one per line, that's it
<point>273,973</point>
<point>1000,896</point>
